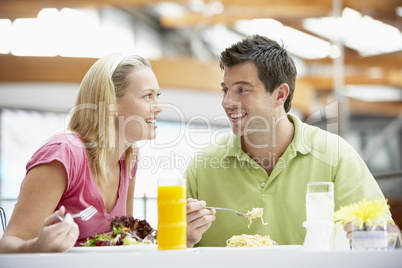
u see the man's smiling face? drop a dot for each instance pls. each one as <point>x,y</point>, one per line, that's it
<point>246,102</point>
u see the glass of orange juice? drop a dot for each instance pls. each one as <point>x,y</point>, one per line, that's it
<point>172,222</point>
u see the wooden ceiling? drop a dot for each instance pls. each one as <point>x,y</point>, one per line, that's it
<point>234,9</point>
<point>189,73</point>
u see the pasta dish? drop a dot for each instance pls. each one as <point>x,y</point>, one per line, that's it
<point>254,214</point>
<point>250,241</point>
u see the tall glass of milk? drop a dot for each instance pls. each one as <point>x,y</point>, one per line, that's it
<point>320,201</point>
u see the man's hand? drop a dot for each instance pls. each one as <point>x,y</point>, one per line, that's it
<point>199,219</point>
<point>391,228</point>
<point>348,229</point>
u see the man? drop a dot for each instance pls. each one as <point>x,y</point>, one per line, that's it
<point>269,158</point>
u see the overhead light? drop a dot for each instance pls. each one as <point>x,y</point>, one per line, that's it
<point>362,33</point>
<point>5,36</point>
<point>49,14</point>
<point>196,5</point>
<point>216,7</point>
<point>70,33</point>
<point>373,93</point>
<point>173,9</point>
<point>399,11</point>
<point>219,37</point>
<point>296,42</point>
<point>33,37</point>
<point>335,52</point>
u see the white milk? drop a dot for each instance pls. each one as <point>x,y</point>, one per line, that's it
<point>320,207</point>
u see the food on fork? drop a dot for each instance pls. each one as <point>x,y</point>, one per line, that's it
<point>255,213</point>
<point>124,230</point>
<point>250,241</point>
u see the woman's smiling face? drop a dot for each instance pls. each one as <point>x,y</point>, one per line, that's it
<point>138,109</point>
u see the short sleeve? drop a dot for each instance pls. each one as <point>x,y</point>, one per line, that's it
<point>353,180</point>
<point>60,152</point>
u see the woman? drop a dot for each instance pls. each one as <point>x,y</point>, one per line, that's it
<point>92,165</point>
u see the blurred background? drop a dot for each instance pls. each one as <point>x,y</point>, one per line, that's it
<point>348,55</point>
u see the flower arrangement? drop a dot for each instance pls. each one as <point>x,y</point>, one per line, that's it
<point>365,212</point>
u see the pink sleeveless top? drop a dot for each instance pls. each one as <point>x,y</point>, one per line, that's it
<point>81,191</point>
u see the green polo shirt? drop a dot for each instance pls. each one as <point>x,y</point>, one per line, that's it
<point>223,175</point>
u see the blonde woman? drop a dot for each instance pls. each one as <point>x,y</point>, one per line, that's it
<point>92,165</point>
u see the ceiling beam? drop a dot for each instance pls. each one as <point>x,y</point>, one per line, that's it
<point>180,73</point>
<point>389,60</point>
<point>43,69</point>
<point>187,72</point>
<point>387,69</point>
<point>374,8</point>
<point>234,9</point>
<point>13,9</point>
<point>391,108</point>
<point>171,72</point>
<point>326,83</point>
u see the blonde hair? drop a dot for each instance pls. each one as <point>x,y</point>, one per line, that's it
<point>93,117</point>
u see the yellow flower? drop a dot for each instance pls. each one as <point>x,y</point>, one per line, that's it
<point>365,212</point>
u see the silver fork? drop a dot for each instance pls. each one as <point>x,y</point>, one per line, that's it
<point>227,209</point>
<point>85,214</point>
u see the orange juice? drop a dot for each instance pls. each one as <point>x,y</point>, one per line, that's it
<point>172,222</point>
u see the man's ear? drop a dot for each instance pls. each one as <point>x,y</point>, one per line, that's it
<point>282,94</point>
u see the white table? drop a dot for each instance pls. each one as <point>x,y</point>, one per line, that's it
<point>207,257</point>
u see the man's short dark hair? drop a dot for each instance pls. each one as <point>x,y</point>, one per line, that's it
<point>273,62</point>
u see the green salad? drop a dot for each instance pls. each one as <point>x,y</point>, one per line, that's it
<point>124,230</point>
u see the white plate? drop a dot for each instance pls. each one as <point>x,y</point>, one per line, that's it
<point>271,248</point>
<point>131,248</point>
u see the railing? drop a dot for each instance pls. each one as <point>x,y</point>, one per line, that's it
<point>143,211</point>
<point>8,205</point>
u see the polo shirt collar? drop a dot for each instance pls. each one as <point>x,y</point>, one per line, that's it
<point>234,146</point>
<point>301,141</point>
<point>234,149</point>
<point>302,138</point>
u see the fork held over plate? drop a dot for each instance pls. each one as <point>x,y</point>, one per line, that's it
<point>85,214</point>
<point>231,210</point>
